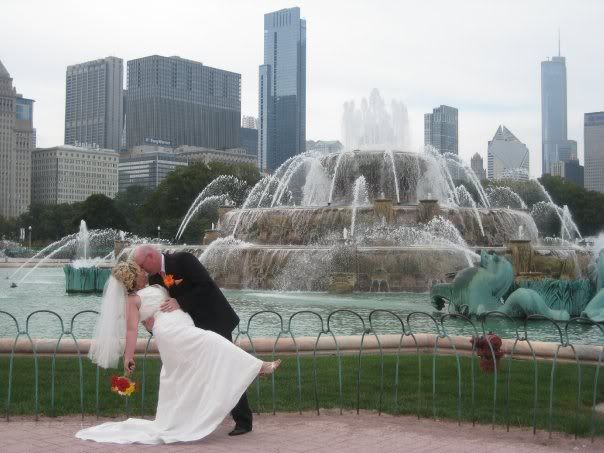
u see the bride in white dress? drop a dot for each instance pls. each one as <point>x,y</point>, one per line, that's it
<point>203,375</point>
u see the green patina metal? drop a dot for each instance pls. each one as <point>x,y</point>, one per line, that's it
<point>85,279</point>
<point>477,290</point>
<point>595,309</point>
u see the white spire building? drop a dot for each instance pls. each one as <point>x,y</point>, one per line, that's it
<point>508,157</point>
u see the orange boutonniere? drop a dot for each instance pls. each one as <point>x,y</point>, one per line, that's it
<point>170,281</point>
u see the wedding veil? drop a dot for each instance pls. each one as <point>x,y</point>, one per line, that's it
<point>109,333</point>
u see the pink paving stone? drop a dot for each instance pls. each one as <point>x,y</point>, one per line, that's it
<point>291,432</point>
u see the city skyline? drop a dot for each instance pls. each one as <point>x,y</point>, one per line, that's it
<point>400,55</point>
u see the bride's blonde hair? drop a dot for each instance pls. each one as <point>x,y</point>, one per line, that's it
<point>126,272</point>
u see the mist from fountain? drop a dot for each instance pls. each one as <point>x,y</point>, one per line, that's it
<point>224,186</point>
<point>360,199</point>
<point>568,228</point>
<point>465,199</point>
<point>41,253</point>
<point>454,160</point>
<point>389,155</point>
<point>501,197</point>
<point>83,242</point>
<point>374,124</point>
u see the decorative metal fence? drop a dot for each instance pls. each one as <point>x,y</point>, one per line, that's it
<point>406,328</point>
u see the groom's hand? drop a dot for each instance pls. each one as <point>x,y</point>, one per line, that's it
<point>169,305</point>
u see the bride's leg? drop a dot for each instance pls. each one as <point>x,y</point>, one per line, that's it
<point>269,367</point>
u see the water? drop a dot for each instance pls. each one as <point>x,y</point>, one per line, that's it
<point>83,245</point>
<point>46,290</point>
<point>221,189</point>
<point>360,198</point>
<point>375,123</point>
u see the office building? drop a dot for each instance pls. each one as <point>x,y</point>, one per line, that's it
<point>249,141</point>
<point>555,145</point>
<point>69,174</point>
<point>477,165</point>
<point>570,170</point>
<point>94,103</point>
<point>324,146</point>
<point>182,102</point>
<point>508,157</point>
<point>441,129</point>
<point>17,140</point>
<point>147,166</point>
<point>594,151</point>
<point>249,122</point>
<point>282,89</point>
<point>192,154</point>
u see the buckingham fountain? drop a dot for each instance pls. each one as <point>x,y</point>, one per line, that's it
<point>387,221</point>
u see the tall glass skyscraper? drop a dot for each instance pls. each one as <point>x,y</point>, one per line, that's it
<point>441,129</point>
<point>554,139</point>
<point>282,89</point>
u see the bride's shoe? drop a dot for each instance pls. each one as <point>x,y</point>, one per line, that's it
<point>269,367</point>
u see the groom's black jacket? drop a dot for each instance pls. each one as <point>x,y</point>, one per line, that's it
<point>197,294</point>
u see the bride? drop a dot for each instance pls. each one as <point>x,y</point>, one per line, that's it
<point>203,375</point>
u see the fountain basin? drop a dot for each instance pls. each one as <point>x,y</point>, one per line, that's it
<point>365,269</point>
<point>311,225</point>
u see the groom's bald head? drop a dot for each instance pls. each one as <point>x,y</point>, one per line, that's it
<point>148,257</point>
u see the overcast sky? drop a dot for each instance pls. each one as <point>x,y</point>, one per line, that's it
<point>480,56</point>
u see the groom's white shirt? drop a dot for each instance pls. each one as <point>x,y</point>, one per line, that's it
<point>163,265</point>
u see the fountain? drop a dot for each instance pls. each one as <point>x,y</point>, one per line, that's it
<point>373,218</point>
<point>85,275</point>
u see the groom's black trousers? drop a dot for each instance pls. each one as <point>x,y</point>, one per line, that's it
<point>241,413</point>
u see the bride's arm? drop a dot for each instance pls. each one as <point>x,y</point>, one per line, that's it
<point>132,318</point>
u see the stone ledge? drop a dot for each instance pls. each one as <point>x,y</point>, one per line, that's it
<point>346,345</point>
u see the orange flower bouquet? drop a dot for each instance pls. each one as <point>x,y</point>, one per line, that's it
<point>122,385</point>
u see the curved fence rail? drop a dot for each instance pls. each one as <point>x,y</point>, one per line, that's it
<point>405,326</point>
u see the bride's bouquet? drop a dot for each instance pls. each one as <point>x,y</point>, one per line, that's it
<point>122,385</point>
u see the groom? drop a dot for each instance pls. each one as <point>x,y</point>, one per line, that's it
<point>192,289</point>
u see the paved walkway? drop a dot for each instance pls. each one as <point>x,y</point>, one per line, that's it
<point>296,433</point>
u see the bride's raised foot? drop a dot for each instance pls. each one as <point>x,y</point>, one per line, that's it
<point>269,367</point>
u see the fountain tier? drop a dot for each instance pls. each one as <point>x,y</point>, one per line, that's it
<point>321,225</point>
<point>367,221</point>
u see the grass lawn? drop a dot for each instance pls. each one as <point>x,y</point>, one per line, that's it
<point>406,399</point>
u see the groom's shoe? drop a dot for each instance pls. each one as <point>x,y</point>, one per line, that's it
<point>239,430</point>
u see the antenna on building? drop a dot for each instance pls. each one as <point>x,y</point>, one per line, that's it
<point>558,41</point>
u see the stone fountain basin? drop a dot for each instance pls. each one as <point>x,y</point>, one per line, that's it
<point>311,225</point>
<point>375,268</point>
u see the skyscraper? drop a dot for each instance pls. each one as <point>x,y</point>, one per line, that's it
<point>94,106</point>
<point>441,129</point>
<point>594,151</point>
<point>282,89</point>
<point>555,145</point>
<point>508,157</point>
<point>17,140</point>
<point>477,164</point>
<point>249,122</point>
<point>173,101</point>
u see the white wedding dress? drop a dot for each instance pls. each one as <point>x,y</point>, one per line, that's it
<point>201,380</point>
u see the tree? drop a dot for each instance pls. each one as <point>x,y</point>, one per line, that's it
<point>100,212</point>
<point>130,203</point>
<point>586,207</point>
<point>169,203</point>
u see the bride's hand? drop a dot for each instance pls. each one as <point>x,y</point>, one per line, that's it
<point>129,365</point>
<point>169,305</point>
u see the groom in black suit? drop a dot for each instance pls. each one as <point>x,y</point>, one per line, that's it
<point>192,289</point>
